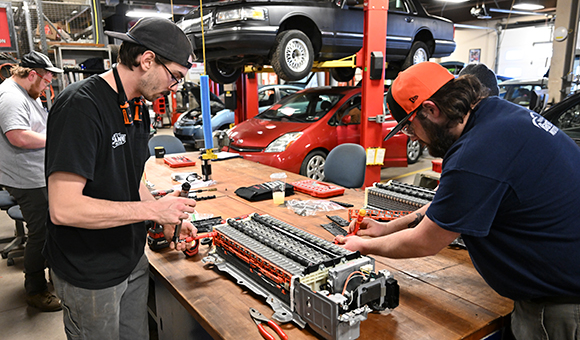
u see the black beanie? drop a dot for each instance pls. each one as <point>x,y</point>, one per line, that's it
<point>484,75</point>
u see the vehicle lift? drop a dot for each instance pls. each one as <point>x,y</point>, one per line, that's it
<point>370,59</point>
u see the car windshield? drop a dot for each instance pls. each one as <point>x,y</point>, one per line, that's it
<point>302,108</point>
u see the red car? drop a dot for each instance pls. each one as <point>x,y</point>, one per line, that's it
<point>298,132</point>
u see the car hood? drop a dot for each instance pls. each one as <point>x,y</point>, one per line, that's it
<point>258,133</point>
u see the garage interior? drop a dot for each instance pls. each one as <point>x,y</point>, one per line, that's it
<point>516,43</point>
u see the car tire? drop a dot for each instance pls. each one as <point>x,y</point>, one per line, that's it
<point>221,73</point>
<point>419,53</point>
<point>313,165</point>
<point>414,151</point>
<point>342,73</point>
<point>293,55</point>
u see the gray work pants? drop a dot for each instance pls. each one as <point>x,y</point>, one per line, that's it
<point>114,313</point>
<point>545,321</point>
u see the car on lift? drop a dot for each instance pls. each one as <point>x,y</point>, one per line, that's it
<point>290,34</point>
<point>297,133</point>
<point>189,125</point>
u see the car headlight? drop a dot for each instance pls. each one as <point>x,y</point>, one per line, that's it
<point>245,13</point>
<point>283,142</point>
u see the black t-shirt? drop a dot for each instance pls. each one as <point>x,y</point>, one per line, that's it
<point>87,136</point>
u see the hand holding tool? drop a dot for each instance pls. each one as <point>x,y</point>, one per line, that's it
<point>184,192</point>
<point>361,215</point>
<point>259,318</point>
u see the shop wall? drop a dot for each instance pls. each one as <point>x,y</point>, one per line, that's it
<point>519,52</point>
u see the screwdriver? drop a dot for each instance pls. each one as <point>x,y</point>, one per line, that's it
<point>184,191</point>
<point>361,215</point>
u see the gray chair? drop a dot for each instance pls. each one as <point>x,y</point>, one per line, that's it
<point>16,247</point>
<point>346,165</point>
<point>171,144</point>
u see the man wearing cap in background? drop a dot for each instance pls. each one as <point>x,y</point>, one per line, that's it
<point>23,125</point>
<point>510,186</point>
<point>95,156</point>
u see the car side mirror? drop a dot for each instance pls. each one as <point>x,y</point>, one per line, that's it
<point>342,3</point>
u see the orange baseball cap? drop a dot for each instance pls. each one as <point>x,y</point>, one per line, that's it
<point>411,88</point>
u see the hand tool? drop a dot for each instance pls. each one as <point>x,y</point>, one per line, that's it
<point>184,192</point>
<point>361,215</point>
<point>259,318</point>
<point>161,192</point>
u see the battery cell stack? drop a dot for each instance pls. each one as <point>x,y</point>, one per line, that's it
<point>398,196</point>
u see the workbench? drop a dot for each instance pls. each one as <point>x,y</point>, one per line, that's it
<point>441,297</point>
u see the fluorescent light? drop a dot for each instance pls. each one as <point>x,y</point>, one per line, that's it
<point>528,5</point>
<point>454,1</point>
<point>143,14</point>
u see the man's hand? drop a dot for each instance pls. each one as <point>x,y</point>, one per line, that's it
<point>187,230</point>
<point>171,209</point>
<point>352,243</point>
<point>369,227</point>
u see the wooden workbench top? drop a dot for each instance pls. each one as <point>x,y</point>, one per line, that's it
<point>441,297</point>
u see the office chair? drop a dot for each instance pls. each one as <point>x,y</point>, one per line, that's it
<point>346,165</point>
<point>16,247</point>
<point>171,144</point>
<point>6,202</point>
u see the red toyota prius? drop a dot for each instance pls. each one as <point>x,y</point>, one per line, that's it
<point>297,133</point>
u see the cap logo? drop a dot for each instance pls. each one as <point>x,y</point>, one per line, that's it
<point>413,99</point>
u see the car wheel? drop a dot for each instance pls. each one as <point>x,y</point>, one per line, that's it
<point>418,54</point>
<point>414,151</point>
<point>293,55</point>
<point>313,165</point>
<point>222,73</point>
<point>342,73</point>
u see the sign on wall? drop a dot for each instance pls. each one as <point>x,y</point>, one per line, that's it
<point>475,56</point>
<point>7,33</point>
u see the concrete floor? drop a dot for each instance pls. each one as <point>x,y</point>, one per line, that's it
<point>20,322</point>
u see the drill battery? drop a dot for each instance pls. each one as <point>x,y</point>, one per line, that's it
<point>156,238</point>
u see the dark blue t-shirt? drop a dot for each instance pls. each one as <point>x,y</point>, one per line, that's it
<point>511,186</point>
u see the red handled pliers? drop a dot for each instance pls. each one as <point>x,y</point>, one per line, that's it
<point>259,318</point>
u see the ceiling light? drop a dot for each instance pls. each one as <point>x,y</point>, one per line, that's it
<point>143,14</point>
<point>528,5</point>
<point>454,1</point>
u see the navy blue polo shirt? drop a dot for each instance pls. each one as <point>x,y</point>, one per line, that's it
<point>511,186</point>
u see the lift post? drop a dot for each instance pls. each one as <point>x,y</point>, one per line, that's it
<point>374,40</point>
<point>247,97</point>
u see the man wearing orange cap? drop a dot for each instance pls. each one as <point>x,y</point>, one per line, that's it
<point>509,186</point>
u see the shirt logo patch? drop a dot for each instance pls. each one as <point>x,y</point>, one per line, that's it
<point>118,139</point>
<point>542,123</point>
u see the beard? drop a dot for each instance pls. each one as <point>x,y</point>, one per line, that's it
<point>36,89</point>
<point>440,137</point>
<point>150,89</point>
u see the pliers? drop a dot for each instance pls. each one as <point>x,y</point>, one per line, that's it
<point>259,318</point>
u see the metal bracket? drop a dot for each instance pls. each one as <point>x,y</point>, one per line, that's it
<point>378,119</point>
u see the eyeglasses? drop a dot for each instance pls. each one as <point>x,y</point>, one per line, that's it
<point>175,80</point>
<point>43,77</point>
<point>408,129</point>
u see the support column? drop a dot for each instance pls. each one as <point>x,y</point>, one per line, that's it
<point>567,12</point>
<point>375,28</point>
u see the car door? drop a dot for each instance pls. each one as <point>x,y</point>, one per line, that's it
<point>401,27</point>
<point>402,23</point>
<point>347,121</point>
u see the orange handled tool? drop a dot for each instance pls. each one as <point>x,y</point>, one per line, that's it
<point>361,215</point>
<point>259,318</point>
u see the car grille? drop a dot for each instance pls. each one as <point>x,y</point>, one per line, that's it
<point>236,148</point>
